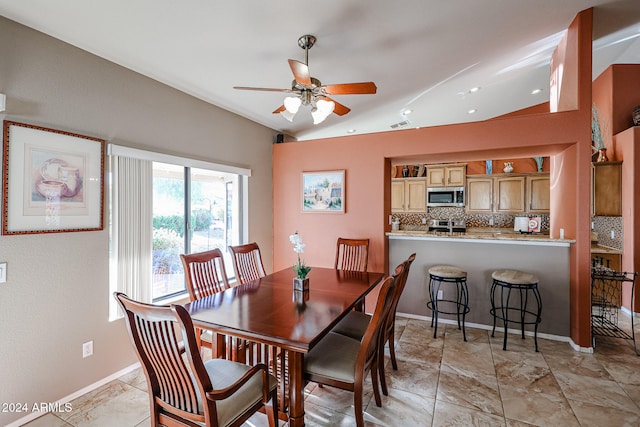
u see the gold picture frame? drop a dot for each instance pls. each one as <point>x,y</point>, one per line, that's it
<point>53,181</point>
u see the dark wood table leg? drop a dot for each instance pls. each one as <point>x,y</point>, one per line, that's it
<point>296,389</point>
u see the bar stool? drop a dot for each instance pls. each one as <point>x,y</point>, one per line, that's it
<point>439,274</point>
<point>524,283</point>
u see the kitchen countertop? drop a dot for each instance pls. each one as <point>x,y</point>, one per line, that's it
<point>497,235</point>
<point>597,249</point>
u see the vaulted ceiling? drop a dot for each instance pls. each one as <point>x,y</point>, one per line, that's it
<point>423,55</point>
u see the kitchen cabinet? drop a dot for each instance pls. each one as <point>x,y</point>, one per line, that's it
<point>446,175</point>
<point>538,193</point>
<point>509,194</point>
<point>479,195</point>
<point>408,195</point>
<point>606,188</point>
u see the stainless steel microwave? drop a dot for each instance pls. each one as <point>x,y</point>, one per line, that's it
<point>445,196</point>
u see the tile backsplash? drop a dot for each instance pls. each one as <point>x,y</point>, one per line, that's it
<point>472,220</point>
<point>603,225</point>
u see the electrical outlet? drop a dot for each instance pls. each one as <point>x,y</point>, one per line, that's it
<point>87,349</point>
<point>613,234</point>
<point>440,294</point>
<point>3,272</point>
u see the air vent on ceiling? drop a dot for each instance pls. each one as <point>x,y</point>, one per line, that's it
<point>401,124</point>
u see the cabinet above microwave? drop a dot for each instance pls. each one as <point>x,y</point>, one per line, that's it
<point>449,175</point>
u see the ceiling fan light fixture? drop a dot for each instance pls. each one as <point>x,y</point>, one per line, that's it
<point>287,115</point>
<point>292,104</point>
<point>322,110</point>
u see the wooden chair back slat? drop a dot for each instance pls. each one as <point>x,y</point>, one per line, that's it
<point>180,386</point>
<point>247,262</point>
<point>204,273</point>
<point>352,254</point>
<point>159,349</point>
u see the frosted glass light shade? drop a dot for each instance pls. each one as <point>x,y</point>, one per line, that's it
<point>322,110</point>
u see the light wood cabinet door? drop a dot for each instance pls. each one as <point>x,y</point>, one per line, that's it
<point>606,183</point>
<point>408,195</point>
<point>538,191</point>
<point>397,196</point>
<point>479,195</point>
<point>446,176</point>
<point>415,196</point>
<point>510,194</point>
<point>455,176</point>
<point>435,176</point>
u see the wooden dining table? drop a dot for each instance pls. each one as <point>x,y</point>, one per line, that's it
<point>269,312</point>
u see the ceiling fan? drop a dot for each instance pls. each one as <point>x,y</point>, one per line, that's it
<point>309,90</point>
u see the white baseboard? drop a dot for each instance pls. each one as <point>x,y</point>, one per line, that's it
<point>32,416</point>
<point>489,327</point>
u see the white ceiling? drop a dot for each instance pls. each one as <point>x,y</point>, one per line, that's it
<point>422,54</point>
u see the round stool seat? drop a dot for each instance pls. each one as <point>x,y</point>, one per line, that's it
<point>513,288</point>
<point>457,303</point>
<point>447,271</point>
<point>514,277</point>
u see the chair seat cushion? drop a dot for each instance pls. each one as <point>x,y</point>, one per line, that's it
<point>514,277</point>
<point>333,357</point>
<point>353,325</point>
<point>223,373</point>
<point>447,272</point>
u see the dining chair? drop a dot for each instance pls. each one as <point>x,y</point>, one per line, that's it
<point>205,275</point>
<point>343,362</point>
<point>355,323</point>
<point>247,262</point>
<point>184,390</point>
<point>352,254</point>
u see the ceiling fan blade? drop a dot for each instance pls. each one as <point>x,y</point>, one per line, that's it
<point>267,89</point>
<point>339,109</point>
<point>300,72</point>
<point>363,88</point>
<point>280,109</point>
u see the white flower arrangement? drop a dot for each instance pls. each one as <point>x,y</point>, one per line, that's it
<point>298,247</point>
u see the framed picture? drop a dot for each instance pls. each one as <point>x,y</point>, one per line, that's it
<point>323,191</point>
<point>52,180</point>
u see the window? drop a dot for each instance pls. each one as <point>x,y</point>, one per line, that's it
<point>162,206</point>
<point>210,197</point>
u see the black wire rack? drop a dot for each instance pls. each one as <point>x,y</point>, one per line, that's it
<point>606,299</point>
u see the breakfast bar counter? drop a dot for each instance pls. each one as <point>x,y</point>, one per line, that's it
<point>479,253</point>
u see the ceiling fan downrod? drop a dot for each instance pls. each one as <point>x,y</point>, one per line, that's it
<point>306,42</point>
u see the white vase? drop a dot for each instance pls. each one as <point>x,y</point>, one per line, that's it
<point>508,167</point>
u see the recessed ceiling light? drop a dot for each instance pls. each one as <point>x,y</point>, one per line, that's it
<point>474,89</point>
<point>536,91</point>
<point>472,111</point>
<point>407,111</point>
<point>351,131</point>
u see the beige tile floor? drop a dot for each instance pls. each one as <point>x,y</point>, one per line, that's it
<point>441,382</point>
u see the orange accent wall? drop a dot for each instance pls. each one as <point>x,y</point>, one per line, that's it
<point>563,136</point>
<point>616,92</point>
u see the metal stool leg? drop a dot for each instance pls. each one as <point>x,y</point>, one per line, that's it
<point>464,292</point>
<point>493,306</point>
<point>505,314</point>
<point>536,294</point>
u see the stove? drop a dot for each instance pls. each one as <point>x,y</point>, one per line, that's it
<point>448,225</point>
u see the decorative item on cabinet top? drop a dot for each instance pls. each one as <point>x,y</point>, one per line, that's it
<point>636,116</point>
<point>408,171</point>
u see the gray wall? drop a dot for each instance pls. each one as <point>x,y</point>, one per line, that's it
<point>479,259</point>
<point>57,292</point>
